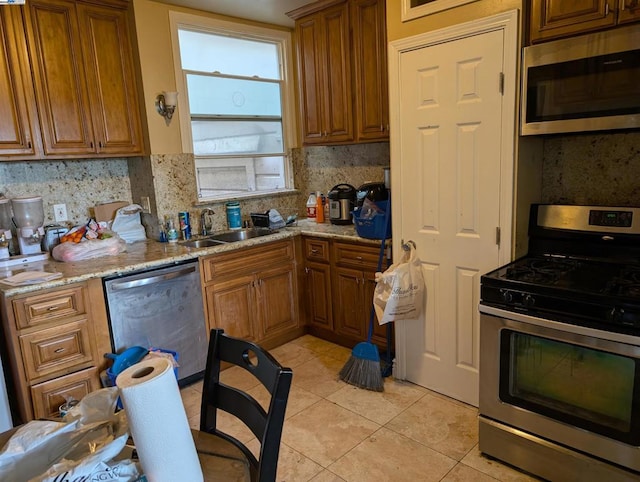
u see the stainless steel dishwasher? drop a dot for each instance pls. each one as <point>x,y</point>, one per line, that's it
<point>160,308</point>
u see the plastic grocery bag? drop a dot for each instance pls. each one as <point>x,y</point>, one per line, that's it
<point>88,249</point>
<point>400,290</point>
<point>128,225</point>
<point>86,446</point>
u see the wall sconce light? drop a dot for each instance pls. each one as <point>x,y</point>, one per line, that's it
<point>166,104</point>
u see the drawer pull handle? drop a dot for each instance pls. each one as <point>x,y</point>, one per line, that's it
<point>314,251</point>
<point>359,258</point>
<point>52,308</point>
<point>59,350</point>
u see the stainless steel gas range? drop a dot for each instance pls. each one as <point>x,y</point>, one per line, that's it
<point>560,348</point>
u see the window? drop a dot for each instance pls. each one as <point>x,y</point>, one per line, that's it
<point>238,94</point>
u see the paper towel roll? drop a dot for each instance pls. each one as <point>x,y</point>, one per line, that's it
<point>158,422</point>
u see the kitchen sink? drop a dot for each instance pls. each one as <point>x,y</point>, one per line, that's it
<point>201,243</point>
<point>240,235</point>
<point>224,238</point>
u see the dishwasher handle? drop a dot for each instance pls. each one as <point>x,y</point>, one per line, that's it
<point>125,285</point>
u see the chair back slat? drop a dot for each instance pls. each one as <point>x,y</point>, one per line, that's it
<point>266,425</point>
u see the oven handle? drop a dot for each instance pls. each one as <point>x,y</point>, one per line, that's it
<point>558,325</point>
<point>125,285</point>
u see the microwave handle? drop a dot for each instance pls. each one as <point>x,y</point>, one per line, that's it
<point>124,285</point>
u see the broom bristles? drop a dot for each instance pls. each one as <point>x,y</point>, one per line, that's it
<point>363,368</point>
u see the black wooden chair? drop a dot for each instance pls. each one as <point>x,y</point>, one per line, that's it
<point>265,425</point>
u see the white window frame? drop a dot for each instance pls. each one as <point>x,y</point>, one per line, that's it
<point>181,20</point>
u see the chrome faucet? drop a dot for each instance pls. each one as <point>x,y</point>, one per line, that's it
<point>206,223</point>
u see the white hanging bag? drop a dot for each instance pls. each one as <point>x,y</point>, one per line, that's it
<point>400,290</point>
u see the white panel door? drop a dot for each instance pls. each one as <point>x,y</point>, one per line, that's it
<point>450,134</point>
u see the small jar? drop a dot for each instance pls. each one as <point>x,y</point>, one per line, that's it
<point>234,216</point>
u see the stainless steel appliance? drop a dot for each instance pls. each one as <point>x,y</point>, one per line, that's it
<point>560,348</point>
<point>583,83</point>
<point>374,191</point>
<point>160,308</point>
<point>342,198</point>
<point>52,235</point>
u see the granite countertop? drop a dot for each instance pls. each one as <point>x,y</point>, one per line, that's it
<point>152,254</point>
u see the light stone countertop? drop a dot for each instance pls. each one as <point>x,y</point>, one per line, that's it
<point>150,254</point>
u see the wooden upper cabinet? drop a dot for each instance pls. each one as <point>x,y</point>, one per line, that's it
<point>110,77</point>
<point>84,78</point>
<point>59,76</point>
<point>325,76</point>
<point>551,19</point>
<point>370,70</point>
<point>342,71</point>
<point>18,129</point>
<point>629,11</point>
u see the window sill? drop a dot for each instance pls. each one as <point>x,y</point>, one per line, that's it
<point>248,196</point>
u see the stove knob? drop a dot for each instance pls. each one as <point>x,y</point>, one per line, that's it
<point>507,296</point>
<point>616,314</point>
<point>529,301</point>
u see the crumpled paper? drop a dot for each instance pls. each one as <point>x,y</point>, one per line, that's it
<point>87,445</point>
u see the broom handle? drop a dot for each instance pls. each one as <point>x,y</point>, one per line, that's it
<point>380,258</point>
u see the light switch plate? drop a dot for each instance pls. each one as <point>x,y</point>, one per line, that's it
<point>145,204</point>
<point>60,212</point>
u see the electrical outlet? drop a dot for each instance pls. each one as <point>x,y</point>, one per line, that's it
<point>145,204</point>
<point>60,213</point>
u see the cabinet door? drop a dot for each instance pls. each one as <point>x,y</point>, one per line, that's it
<point>370,70</point>
<point>338,102</point>
<point>231,306</point>
<point>17,104</point>
<point>318,291</point>
<point>310,78</point>
<point>48,396</point>
<point>629,11</point>
<point>348,297</point>
<point>325,76</point>
<point>557,18</point>
<point>275,295</point>
<point>111,80</point>
<point>59,76</point>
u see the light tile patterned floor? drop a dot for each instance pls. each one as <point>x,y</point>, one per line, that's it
<point>335,432</point>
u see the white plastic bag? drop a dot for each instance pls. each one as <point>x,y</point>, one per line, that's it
<point>88,249</point>
<point>400,291</point>
<point>128,225</point>
<point>86,447</point>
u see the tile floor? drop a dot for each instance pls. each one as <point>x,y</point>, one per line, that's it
<point>336,432</point>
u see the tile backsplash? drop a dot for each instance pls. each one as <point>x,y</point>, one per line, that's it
<point>79,184</point>
<point>598,169</point>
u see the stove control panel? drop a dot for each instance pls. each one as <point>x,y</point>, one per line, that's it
<point>620,219</point>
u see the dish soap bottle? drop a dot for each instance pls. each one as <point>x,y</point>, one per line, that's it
<point>311,205</point>
<point>319,208</point>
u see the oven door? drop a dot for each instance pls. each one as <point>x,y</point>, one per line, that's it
<point>572,385</point>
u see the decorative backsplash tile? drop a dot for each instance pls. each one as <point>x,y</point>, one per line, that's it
<point>79,184</point>
<point>598,169</point>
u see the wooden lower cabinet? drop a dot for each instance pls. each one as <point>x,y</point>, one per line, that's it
<point>252,293</point>
<point>55,339</point>
<point>340,283</point>
<point>48,396</point>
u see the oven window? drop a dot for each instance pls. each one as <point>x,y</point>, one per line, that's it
<point>587,388</point>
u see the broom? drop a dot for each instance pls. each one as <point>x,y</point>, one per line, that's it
<point>363,366</point>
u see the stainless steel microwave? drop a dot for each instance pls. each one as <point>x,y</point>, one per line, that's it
<point>585,83</point>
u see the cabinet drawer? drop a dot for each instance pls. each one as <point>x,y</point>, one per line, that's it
<point>47,307</point>
<point>316,250</point>
<point>48,396</point>
<point>62,347</point>
<point>247,260</point>
<point>356,255</point>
